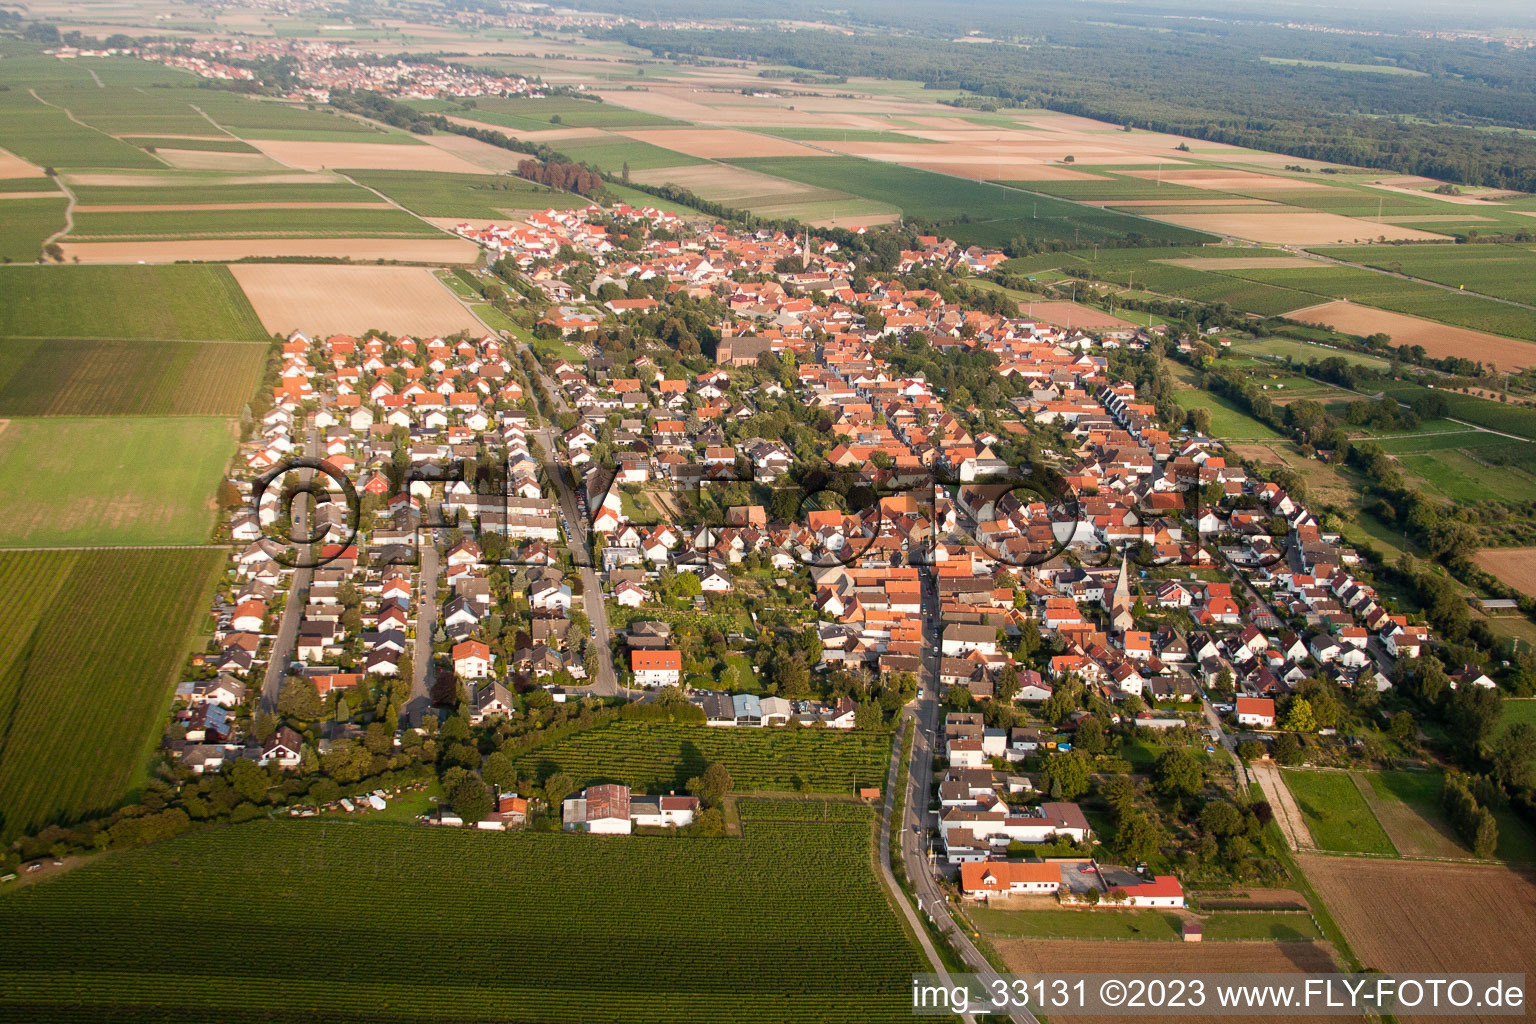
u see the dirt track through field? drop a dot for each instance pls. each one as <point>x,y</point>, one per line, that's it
<point>1293,825</point>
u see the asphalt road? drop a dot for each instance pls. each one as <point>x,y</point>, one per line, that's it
<point>919,818</point>
<point>607,682</point>
<point>423,671</point>
<point>281,654</point>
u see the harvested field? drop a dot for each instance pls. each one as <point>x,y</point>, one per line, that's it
<point>404,250</point>
<point>1424,917</point>
<point>212,160</point>
<point>719,143</point>
<point>1439,340</point>
<point>484,157</point>
<point>1061,956</point>
<point>316,156</point>
<point>1072,314</point>
<point>1295,227</point>
<point>341,300</point>
<point>13,166</point>
<point>722,182</point>
<point>1515,567</point>
<point>1236,263</point>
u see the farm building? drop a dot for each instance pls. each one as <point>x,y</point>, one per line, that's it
<point>989,880</point>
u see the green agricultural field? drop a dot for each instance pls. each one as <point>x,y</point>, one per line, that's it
<point>1370,288</point>
<point>658,756</point>
<point>1462,478</point>
<point>179,302</point>
<point>196,188</point>
<point>383,222</point>
<point>257,119</point>
<point>490,196</point>
<point>46,136</point>
<point>1519,420</point>
<point>39,185</point>
<point>1336,813</point>
<point>26,223</point>
<point>110,480</point>
<point>1506,271</point>
<point>784,925</point>
<point>553,112</point>
<point>992,214</point>
<point>123,111</point>
<point>1122,187</point>
<point>51,377</point>
<point>1228,422</point>
<point>90,648</point>
<point>612,152</point>
<point>221,144</point>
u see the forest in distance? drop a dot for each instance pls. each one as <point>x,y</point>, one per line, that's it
<point>1456,109</point>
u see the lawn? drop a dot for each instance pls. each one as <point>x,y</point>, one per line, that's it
<point>991,213</point>
<point>49,377</point>
<point>1419,793</point>
<point>1336,813</point>
<point>664,757</point>
<point>432,194</point>
<point>1228,422</point>
<point>110,480</point>
<point>175,302</point>
<point>1144,925</point>
<point>786,924</point>
<point>93,642</point>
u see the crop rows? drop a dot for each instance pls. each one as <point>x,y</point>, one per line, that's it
<point>657,757</point>
<point>786,923</point>
<point>92,642</point>
<point>803,810</point>
<point>84,378</point>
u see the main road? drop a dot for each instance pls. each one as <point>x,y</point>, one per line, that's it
<point>919,819</point>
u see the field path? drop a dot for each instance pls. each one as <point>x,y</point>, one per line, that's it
<point>1287,813</point>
